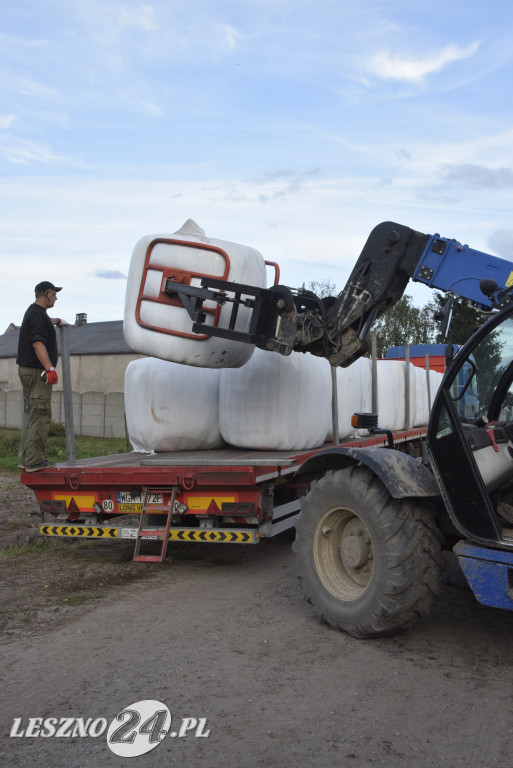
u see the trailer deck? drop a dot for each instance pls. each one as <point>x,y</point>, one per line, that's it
<point>226,495</point>
<point>133,466</point>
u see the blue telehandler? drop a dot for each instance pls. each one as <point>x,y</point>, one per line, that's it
<point>374,523</point>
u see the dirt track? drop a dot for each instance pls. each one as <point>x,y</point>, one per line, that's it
<point>223,633</point>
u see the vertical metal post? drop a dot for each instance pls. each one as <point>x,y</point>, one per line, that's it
<point>67,391</point>
<point>334,405</point>
<point>407,387</point>
<point>428,382</point>
<point>374,348</point>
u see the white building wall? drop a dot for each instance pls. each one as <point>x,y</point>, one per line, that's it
<point>97,383</point>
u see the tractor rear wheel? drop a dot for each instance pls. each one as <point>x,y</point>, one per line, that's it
<point>370,564</point>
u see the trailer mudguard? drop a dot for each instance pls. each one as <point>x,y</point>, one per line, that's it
<point>402,475</point>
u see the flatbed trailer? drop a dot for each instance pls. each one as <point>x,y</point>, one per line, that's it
<point>228,495</point>
<point>370,525</point>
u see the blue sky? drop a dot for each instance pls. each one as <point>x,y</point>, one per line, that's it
<point>291,126</point>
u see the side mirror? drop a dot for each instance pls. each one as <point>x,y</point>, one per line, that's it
<point>445,317</point>
<point>489,287</point>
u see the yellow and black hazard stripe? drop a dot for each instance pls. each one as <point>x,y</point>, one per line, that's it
<point>214,535</point>
<point>217,535</point>
<point>84,531</point>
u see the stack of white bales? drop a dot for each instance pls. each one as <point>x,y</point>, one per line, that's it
<point>198,392</point>
<point>272,402</point>
<point>354,394</point>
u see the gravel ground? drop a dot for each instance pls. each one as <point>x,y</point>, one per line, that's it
<point>221,634</point>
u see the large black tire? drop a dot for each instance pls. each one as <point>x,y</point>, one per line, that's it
<point>370,564</point>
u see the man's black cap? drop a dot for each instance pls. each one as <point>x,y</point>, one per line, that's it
<point>46,285</point>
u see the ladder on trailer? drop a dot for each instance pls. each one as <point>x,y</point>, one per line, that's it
<point>146,532</point>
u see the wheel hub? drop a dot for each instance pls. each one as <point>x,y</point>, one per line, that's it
<point>344,553</point>
<point>354,552</point>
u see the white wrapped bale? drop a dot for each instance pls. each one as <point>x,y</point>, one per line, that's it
<point>425,399</point>
<point>276,402</point>
<point>358,391</point>
<point>435,379</point>
<point>421,412</point>
<point>344,405</point>
<point>156,326</point>
<point>419,400</point>
<point>354,395</point>
<point>391,394</point>
<point>171,407</point>
<point>360,384</point>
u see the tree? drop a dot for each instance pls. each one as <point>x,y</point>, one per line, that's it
<point>465,319</point>
<point>323,288</point>
<point>403,324</point>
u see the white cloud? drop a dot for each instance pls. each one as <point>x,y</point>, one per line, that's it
<point>143,17</point>
<point>17,41</point>
<point>7,120</point>
<point>390,66</point>
<point>478,176</point>
<point>229,36</point>
<point>501,241</point>
<point>33,89</point>
<point>110,274</point>
<point>108,19</point>
<point>152,109</point>
<point>22,152</point>
<point>150,30</point>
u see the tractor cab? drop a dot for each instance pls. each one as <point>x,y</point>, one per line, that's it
<point>470,437</point>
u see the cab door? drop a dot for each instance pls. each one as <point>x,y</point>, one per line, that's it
<point>472,460</point>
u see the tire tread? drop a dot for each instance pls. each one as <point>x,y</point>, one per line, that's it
<point>413,554</point>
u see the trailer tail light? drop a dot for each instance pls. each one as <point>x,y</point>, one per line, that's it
<point>52,507</point>
<point>364,420</point>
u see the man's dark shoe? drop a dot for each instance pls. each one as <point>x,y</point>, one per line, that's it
<point>42,465</point>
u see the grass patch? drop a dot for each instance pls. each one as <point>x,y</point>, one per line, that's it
<point>92,551</point>
<point>70,550</point>
<point>27,548</point>
<point>78,598</point>
<point>85,446</point>
<point>17,525</point>
<point>9,442</point>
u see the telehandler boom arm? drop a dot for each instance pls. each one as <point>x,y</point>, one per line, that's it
<point>285,319</point>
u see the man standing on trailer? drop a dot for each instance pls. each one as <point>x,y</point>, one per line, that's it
<point>37,358</point>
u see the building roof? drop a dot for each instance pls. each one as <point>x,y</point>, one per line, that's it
<point>87,339</point>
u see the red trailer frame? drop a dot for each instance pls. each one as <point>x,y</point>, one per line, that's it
<point>228,495</point>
